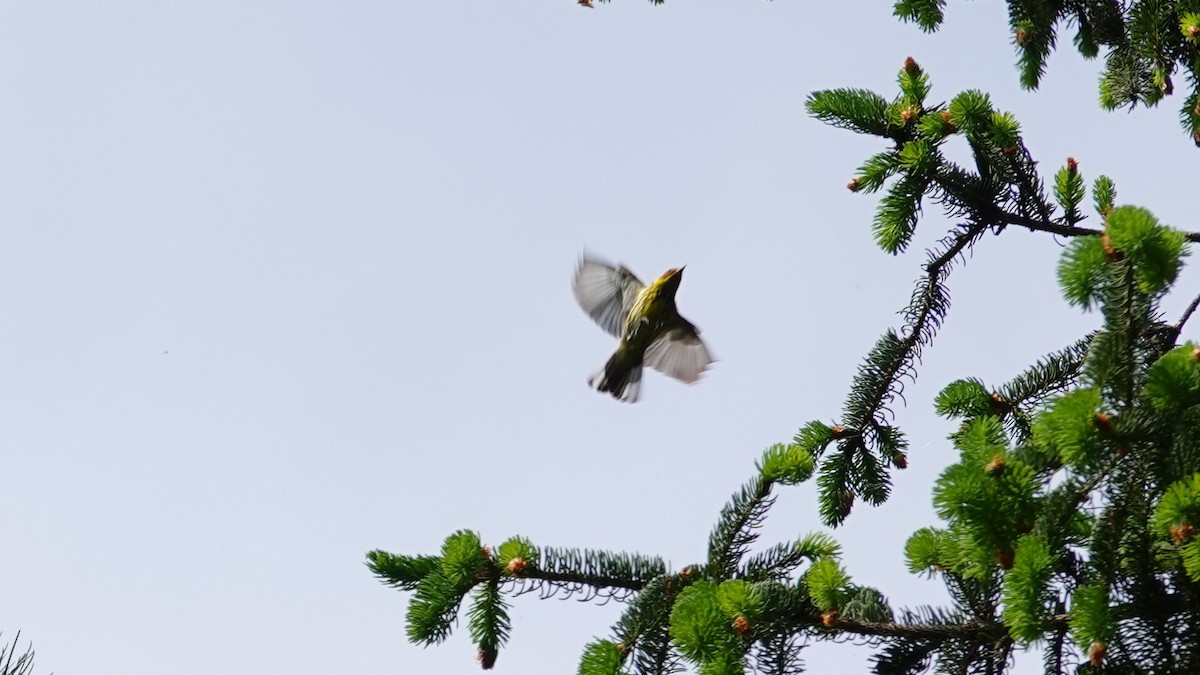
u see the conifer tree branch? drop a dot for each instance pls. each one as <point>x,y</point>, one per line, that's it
<point>13,664</point>
<point>997,215</point>
<point>1187,314</point>
<point>598,582</point>
<point>1132,330</point>
<point>735,530</point>
<point>972,630</point>
<point>985,632</point>
<point>1036,225</point>
<point>918,326</point>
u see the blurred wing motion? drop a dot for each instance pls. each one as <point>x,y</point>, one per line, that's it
<point>606,293</point>
<point>680,353</point>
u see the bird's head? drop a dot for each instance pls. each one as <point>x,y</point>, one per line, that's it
<point>670,279</point>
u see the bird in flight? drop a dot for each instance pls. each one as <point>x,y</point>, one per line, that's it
<point>651,331</point>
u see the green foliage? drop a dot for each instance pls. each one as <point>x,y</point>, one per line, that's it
<point>1173,382</point>
<point>577,563</point>
<point>988,497</point>
<point>896,218</point>
<point>918,156</point>
<point>1027,595</point>
<point>1190,556</point>
<point>702,629</point>
<point>488,622</point>
<point>1180,504</point>
<point>518,549</point>
<point>980,440</point>
<point>1076,481</point>
<point>963,398</point>
<point>433,609</point>
<point>1125,81</point>
<point>925,13</point>
<point>737,527</point>
<point>1104,194</point>
<point>855,109</point>
<point>1069,191</point>
<point>1070,428</point>
<point>971,111</point>
<point>738,598</point>
<point>786,464</point>
<point>642,630</point>
<point>867,605</point>
<point>462,558</point>
<point>1144,44</point>
<point>1189,26</point>
<point>1004,129</point>
<point>1033,33</point>
<point>1083,272</point>
<point>402,571</point>
<point>924,552</point>
<point>601,657</point>
<point>780,560</point>
<point>1156,252</point>
<point>818,545</point>
<point>813,437</point>
<point>1175,520</point>
<point>876,170</point>
<point>434,606</point>
<point>1017,398</point>
<point>914,84</point>
<point>1091,617</point>
<point>828,584</point>
<point>1093,269</point>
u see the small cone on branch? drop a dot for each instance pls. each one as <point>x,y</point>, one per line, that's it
<point>741,625</point>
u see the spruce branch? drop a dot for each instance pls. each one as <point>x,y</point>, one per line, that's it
<point>567,572</point>
<point>1173,333</point>
<point>983,632</point>
<point>736,527</point>
<point>13,664</point>
<point>643,629</point>
<point>878,383</point>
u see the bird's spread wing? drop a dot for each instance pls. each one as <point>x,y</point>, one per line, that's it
<point>606,293</point>
<point>680,353</point>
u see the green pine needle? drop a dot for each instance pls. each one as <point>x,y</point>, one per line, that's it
<point>1083,272</point>
<point>963,398</point>
<point>827,583</point>
<point>923,552</point>
<point>925,13</point>
<point>786,464</point>
<point>488,622</point>
<point>1091,618</point>
<point>462,558</point>
<point>1027,594</point>
<point>433,609</point>
<point>402,571</point>
<point>1173,382</point>
<point>601,657</point>
<point>814,437</point>
<point>855,109</point>
<point>1068,427</point>
<point>516,548</point>
<point>1156,252</point>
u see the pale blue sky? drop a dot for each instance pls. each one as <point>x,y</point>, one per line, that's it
<point>282,282</point>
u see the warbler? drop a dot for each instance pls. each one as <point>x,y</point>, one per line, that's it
<point>651,331</point>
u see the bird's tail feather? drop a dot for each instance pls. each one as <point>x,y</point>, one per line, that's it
<point>622,380</point>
